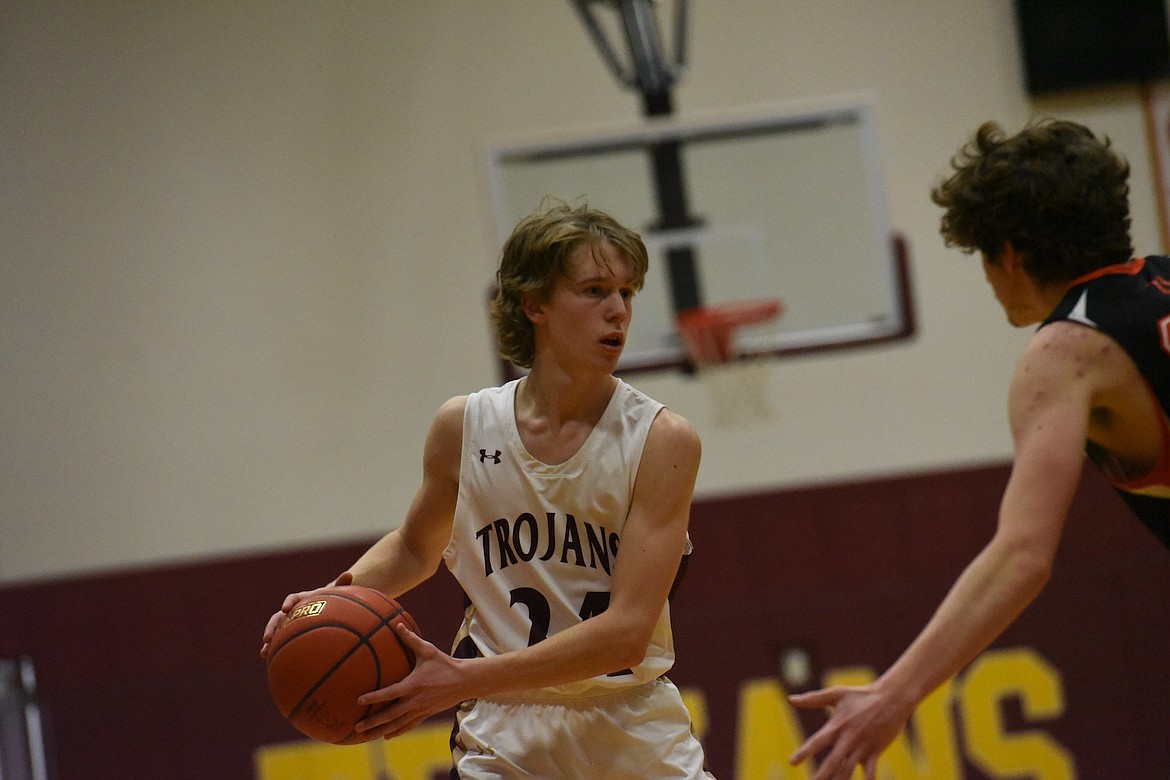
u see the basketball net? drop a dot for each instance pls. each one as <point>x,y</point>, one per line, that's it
<point>737,388</point>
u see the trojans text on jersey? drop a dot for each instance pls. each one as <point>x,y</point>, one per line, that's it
<point>507,542</point>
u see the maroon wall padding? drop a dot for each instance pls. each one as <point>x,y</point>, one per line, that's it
<point>156,673</point>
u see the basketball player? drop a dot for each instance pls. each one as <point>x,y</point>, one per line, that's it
<point>1048,211</point>
<point>560,503</point>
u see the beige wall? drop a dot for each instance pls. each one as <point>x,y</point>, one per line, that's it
<point>244,249</point>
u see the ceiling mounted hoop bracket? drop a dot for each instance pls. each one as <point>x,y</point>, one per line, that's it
<point>646,68</point>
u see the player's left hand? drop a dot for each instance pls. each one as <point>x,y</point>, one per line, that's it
<point>433,686</point>
<point>290,601</point>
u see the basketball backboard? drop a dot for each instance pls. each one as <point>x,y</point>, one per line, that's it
<point>787,203</point>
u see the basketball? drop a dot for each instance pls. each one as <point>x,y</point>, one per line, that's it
<point>330,649</point>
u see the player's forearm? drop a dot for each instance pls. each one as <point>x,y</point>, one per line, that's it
<point>595,647</point>
<point>391,566</point>
<point>993,590</point>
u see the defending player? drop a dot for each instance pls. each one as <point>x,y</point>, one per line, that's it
<point>560,502</point>
<point>1048,211</point>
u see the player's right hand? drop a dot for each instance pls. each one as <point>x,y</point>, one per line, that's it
<point>290,601</point>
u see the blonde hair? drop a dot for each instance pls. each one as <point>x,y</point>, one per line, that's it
<point>536,256</point>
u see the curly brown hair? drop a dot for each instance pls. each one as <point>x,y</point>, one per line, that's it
<point>536,256</point>
<point>1054,190</point>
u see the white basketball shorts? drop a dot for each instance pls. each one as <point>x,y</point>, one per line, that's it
<point>639,733</point>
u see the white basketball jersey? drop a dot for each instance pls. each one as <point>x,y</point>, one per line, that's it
<point>534,545</point>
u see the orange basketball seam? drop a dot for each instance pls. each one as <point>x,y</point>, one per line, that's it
<point>362,641</point>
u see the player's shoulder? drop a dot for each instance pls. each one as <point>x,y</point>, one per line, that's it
<point>451,414</point>
<point>666,423</point>
<point>1067,339</point>
<point>672,420</point>
<point>671,429</point>
<point>447,424</point>
<point>453,407</point>
<point>1069,351</point>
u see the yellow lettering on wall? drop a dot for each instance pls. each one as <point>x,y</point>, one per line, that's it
<point>696,704</point>
<point>934,753</point>
<point>416,755</point>
<point>307,760</point>
<point>769,730</point>
<point>1023,674</point>
<point>767,733</point>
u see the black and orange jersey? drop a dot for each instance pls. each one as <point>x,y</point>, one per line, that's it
<point>1130,303</point>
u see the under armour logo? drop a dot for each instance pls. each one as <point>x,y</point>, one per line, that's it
<point>483,456</point>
